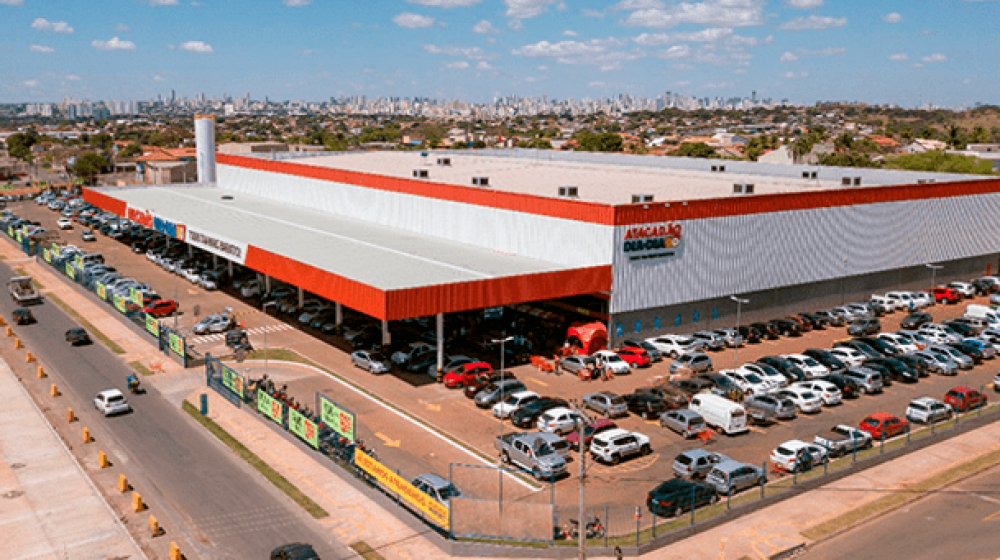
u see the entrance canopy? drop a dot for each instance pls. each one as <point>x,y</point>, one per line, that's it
<point>383,272</point>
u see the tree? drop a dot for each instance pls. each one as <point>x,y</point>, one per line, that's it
<point>694,149</point>
<point>19,144</point>
<point>844,142</point>
<point>89,165</point>
<point>133,149</point>
<point>942,162</point>
<point>102,141</point>
<point>598,142</point>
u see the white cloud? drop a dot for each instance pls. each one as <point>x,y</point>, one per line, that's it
<point>542,68</point>
<point>12,2</point>
<point>597,84</point>
<point>676,51</point>
<point>121,27</point>
<point>527,9</point>
<point>683,83</point>
<point>445,3</point>
<point>892,17</point>
<point>705,35</point>
<point>483,65</point>
<point>306,52</point>
<point>474,53</point>
<point>828,51</point>
<point>296,3</point>
<point>804,4</point>
<point>936,57</point>
<point>793,75</point>
<point>459,65</point>
<point>31,83</point>
<point>899,57</point>
<point>72,78</point>
<point>632,5</point>
<point>570,33</point>
<point>46,26</point>
<point>593,14</point>
<point>485,28</point>
<point>196,47</point>
<point>412,21</point>
<point>155,3</point>
<point>788,57</point>
<point>42,49</point>
<point>720,13</point>
<point>917,65</point>
<point>158,78</point>
<point>113,44</point>
<point>741,71</point>
<point>545,49</point>
<point>813,22</point>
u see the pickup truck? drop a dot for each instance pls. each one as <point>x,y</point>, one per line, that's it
<point>23,291</point>
<point>841,440</point>
<point>531,452</point>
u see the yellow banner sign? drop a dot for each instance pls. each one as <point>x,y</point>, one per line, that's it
<point>438,512</point>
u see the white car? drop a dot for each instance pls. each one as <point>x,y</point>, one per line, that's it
<point>926,410</point>
<point>785,454</point>
<point>559,420</point>
<point>964,288</point>
<point>111,401</point>
<point>923,299</point>
<point>808,364</point>
<point>769,375</point>
<point>747,381</point>
<point>902,300</point>
<point>674,345</point>
<point>213,324</point>
<point>612,361</point>
<point>828,392</point>
<point>807,401</point>
<point>611,446</point>
<point>913,338</point>
<point>504,408</point>
<point>849,356</point>
<point>940,334</point>
<point>64,223</point>
<point>898,342</point>
<point>191,275</point>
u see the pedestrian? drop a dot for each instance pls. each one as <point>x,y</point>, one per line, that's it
<point>558,367</point>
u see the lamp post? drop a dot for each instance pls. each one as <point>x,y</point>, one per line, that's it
<point>736,349</point>
<point>934,268</point>
<point>502,342</point>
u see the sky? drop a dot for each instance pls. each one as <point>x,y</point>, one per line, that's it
<point>909,52</point>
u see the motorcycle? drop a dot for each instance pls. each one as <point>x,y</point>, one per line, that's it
<point>133,385</point>
<point>594,529</point>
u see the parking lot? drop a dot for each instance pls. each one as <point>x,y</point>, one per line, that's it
<point>413,450</point>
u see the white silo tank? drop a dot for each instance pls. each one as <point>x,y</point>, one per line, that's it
<point>204,141</point>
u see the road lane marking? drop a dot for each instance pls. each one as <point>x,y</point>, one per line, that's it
<point>533,380</point>
<point>389,442</point>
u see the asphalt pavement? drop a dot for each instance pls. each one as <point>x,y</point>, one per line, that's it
<point>222,508</point>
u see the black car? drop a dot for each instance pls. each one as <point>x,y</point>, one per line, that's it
<point>674,497</point>
<point>725,386</point>
<point>832,363</point>
<point>859,346</point>
<point>654,354</point>
<point>818,323</point>
<point>791,371</point>
<point>880,346</point>
<point>77,336</point>
<point>694,385</point>
<point>672,396</point>
<point>767,330</point>
<point>969,349</point>
<point>898,371</point>
<point>646,405</point>
<point>983,287</point>
<point>525,416</point>
<point>913,321</point>
<point>881,369</point>
<point>848,387</point>
<point>916,363</point>
<point>785,327</point>
<point>23,316</point>
<point>962,328</point>
<point>294,551</point>
<point>751,334</point>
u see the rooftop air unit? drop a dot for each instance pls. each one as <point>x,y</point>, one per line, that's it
<point>641,198</point>
<point>481,181</point>
<point>444,161</point>
<point>570,192</point>
<point>742,188</point>
<point>719,168</point>
<point>419,173</point>
<point>808,174</point>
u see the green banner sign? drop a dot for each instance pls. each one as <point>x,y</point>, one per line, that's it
<point>55,247</point>
<point>136,296</point>
<point>303,427</point>
<point>153,326</point>
<point>101,291</point>
<point>176,344</point>
<point>70,271</point>
<point>79,261</point>
<point>119,302</point>
<point>10,231</point>
<point>47,256</point>
<point>19,236</point>
<point>270,407</point>
<point>338,419</point>
<point>233,381</point>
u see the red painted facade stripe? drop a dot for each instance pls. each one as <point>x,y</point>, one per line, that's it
<point>531,204</point>
<point>105,202</point>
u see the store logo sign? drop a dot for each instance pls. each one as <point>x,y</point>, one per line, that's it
<point>652,241</point>
<point>212,243</point>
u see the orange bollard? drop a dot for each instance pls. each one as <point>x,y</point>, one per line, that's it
<point>154,527</point>
<point>70,417</point>
<point>102,460</point>
<point>123,485</point>
<point>2,322</point>
<point>175,552</point>
<point>86,435</point>
<point>17,343</point>
<point>10,331</point>
<point>41,373</point>
<point>28,357</point>
<point>54,391</point>
<point>137,504</point>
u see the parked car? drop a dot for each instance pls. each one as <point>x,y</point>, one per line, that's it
<point>940,364</point>
<point>732,476</point>
<point>467,373</point>
<point>964,361</point>
<point>898,370</point>
<point>785,327</point>
<point>848,386</point>
<point>506,407</point>
<point>883,425</point>
<point>975,349</point>
<point>606,403</point>
<point>784,367</point>
<point>635,357</point>
<point>731,337</point>
<point>646,405</point>
<point>944,294</point>
<point>927,410</point>
<point>611,446</point>
<point>497,391</point>
<point>832,363</point>
<point>294,551</point>
<point>826,391</point>
<point>798,456</point>
<point>674,497</point>
<point>674,345</point>
<point>576,364</point>
<point>214,324</point>
<point>371,361</point>
<point>807,401</point>
<point>654,354</point>
<point>527,415</point>
<point>809,365</point>
<point>709,340</point>
<point>161,308</point>
<point>963,398</point>
<point>767,408</point>
<point>696,463</point>
<point>915,319</point>
<point>938,333</point>
<point>766,330</point>
<point>964,288</point>
<point>832,319</point>
<point>774,378</point>
<point>437,487</point>
<point>672,396</point>
<point>597,426</point>
<point>559,420</point>
<point>87,235</point>
<point>691,363</point>
<point>685,422</point>
<point>860,327</point>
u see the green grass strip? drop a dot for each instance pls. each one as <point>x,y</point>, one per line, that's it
<point>112,345</point>
<point>140,368</point>
<point>279,482</point>
<point>894,500</point>
<point>365,551</point>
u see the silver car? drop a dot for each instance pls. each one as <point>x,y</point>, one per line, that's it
<point>731,337</point>
<point>697,362</point>
<point>963,361</point>
<point>938,363</point>
<point>574,364</point>
<point>213,324</point>
<point>732,476</point>
<point>709,340</point>
<point>605,402</point>
<point>372,362</point>
<point>686,422</point>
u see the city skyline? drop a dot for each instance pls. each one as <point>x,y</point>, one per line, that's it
<point>478,50</point>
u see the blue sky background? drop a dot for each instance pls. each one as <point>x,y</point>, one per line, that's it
<point>909,52</point>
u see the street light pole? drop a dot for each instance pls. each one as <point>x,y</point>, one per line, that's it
<point>934,268</point>
<point>736,349</point>
<point>502,342</point>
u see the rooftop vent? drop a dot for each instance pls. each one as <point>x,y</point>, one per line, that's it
<point>742,188</point>
<point>640,198</point>
<point>857,181</point>
<point>808,174</point>
<point>227,197</point>
<point>846,181</point>
<point>571,192</point>
<point>419,173</point>
<point>922,181</point>
<point>481,181</point>
<point>444,161</point>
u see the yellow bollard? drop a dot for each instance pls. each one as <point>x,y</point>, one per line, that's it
<point>86,435</point>
<point>10,331</point>
<point>70,417</point>
<point>28,357</point>
<point>175,552</point>
<point>102,460</point>
<point>2,322</point>
<point>17,343</point>
<point>123,485</point>
<point>41,372</point>
<point>54,391</point>
<point>154,527</point>
<point>137,504</point>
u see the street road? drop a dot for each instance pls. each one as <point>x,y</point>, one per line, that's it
<point>956,522</point>
<point>225,509</point>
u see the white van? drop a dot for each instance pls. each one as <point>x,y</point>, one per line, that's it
<point>975,311</point>
<point>888,304</point>
<point>721,413</point>
<point>902,300</point>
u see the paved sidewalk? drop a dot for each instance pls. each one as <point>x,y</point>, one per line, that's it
<point>49,509</point>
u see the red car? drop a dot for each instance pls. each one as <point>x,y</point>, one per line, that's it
<point>599,425</point>
<point>964,398</point>
<point>883,424</point>
<point>467,373</point>
<point>161,308</point>
<point>635,357</point>
<point>944,294</point>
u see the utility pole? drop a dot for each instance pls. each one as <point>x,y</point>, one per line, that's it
<point>581,523</point>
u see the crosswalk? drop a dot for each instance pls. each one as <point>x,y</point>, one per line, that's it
<point>256,331</point>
